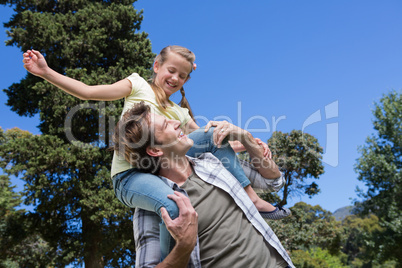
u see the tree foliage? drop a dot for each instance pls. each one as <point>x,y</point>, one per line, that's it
<point>379,167</point>
<point>359,245</point>
<point>9,200</point>
<point>20,243</point>
<point>299,156</point>
<point>309,227</point>
<point>317,258</point>
<point>315,239</point>
<point>66,169</point>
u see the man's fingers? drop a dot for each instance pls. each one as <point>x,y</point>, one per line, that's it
<point>207,127</point>
<point>220,136</point>
<point>186,210</point>
<point>220,132</point>
<point>184,198</point>
<point>181,200</point>
<point>210,124</point>
<point>217,136</point>
<point>165,216</point>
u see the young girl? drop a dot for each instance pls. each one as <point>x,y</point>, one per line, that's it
<point>172,68</point>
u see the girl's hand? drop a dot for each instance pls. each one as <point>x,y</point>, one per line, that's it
<point>267,152</point>
<point>34,62</point>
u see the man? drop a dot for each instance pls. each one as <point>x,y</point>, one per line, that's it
<point>218,225</point>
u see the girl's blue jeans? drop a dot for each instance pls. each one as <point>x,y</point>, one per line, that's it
<point>149,192</point>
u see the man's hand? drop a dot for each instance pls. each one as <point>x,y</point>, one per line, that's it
<point>267,151</point>
<point>184,229</point>
<point>225,129</point>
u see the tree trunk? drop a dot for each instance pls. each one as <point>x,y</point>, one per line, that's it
<point>92,238</point>
<point>286,189</point>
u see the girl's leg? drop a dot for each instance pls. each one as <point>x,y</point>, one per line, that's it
<point>144,190</point>
<point>203,142</point>
<point>148,192</point>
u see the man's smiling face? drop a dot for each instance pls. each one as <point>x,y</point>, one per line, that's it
<point>169,134</point>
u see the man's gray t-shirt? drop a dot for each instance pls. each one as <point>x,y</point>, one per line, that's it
<point>227,239</point>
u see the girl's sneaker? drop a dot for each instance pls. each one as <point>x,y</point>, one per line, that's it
<point>277,214</point>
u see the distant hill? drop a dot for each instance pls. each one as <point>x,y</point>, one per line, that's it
<point>341,213</point>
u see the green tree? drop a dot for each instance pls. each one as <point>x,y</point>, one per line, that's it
<point>317,258</point>
<point>20,244</point>
<point>9,200</point>
<point>359,245</point>
<point>309,227</point>
<point>299,156</point>
<point>379,167</point>
<point>66,169</point>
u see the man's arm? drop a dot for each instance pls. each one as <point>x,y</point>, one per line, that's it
<point>265,165</point>
<point>259,182</point>
<point>184,230</point>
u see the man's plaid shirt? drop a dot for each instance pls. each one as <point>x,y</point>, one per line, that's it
<point>211,170</point>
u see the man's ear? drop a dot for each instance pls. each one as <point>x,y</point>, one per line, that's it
<point>153,151</point>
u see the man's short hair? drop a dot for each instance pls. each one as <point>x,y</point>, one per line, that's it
<point>133,135</point>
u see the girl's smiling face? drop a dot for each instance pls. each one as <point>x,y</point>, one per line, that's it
<point>172,74</point>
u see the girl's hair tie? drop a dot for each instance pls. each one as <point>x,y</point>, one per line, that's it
<point>194,66</point>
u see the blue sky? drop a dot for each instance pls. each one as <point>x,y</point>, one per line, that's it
<point>274,65</point>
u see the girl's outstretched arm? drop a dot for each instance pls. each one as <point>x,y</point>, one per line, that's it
<point>35,63</point>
